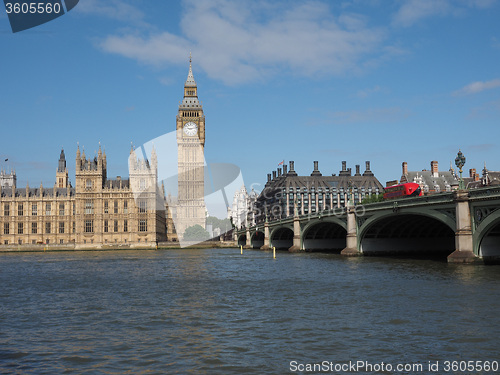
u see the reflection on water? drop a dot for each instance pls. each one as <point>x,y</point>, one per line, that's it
<point>219,312</point>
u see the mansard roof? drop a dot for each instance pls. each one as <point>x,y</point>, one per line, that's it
<point>444,180</point>
<point>293,182</point>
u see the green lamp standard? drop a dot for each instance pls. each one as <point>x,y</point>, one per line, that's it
<point>460,162</point>
<point>349,193</point>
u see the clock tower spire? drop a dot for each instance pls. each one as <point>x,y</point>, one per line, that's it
<point>190,130</point>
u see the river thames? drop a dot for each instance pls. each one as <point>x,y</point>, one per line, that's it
<point>219,312</point>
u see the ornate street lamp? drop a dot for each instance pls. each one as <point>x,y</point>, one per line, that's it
<point>349,193</point>
<point>460,162</point>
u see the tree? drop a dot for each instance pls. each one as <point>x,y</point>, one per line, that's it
<point>373,198</point>
<point>224,225</point>
<point>195,233</point>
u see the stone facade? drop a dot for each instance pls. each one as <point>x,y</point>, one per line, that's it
<point>190,130</point>
<point>96,211</point>
<point>237,213</point>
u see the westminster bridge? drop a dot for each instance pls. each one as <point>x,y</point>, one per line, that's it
<point>463,225</point>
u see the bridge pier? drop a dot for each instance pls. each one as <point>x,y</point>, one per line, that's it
<point>351,249</point>
<point>464,250</point>
<point>296,235</point>
<point>266,237</point>
<point>248,244</point>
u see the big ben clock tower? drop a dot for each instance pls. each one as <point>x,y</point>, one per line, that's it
<point>190,158</point>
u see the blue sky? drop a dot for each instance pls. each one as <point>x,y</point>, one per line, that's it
<point>385,81</point>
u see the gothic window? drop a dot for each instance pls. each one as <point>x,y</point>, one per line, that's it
<point>48,209</point>
<point>125,207</point>
<point>74,227</point>
<point>89,207</point>
<point>61,209</point>
<point>47,228</point>
<point>34,228</point>
<point>105,207</point>
<point>125,225</point>
<point>115,226</point>
<point>89,226</point>
<point>20,228</point>
<point>74,208</point>
<point>6,209</point>
<point>142,184</point>
<point>105,226</point>
<point>143,205</point>
<point>88,184</point>
<point>20,209</point>
<point>115,210</point>
<point>5,228</point>
<point>61,227</point>
<point>143,225</point>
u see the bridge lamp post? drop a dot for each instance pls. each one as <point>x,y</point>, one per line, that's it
<point>460,162</point>
<point>349,193</point>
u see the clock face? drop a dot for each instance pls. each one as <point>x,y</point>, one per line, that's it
<point>190,128</point>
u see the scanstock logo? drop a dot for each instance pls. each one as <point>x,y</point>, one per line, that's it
<point>25,14</point>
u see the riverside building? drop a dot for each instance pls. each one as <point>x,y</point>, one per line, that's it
<point>95,212</point>
<point>286,191</point>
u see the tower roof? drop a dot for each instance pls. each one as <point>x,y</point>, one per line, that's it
<point>190,82</point>
<point>62,162</point>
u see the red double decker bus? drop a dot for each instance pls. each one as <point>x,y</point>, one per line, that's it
<point>410,189</point>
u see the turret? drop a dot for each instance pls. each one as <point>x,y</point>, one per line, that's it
<point>78,158</point>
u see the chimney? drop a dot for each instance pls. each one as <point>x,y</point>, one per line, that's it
<point>284,169</point>
<point>473,174</point>
<point>434,168</point>
<point>368,172</point>
<point>357,170</point>
<point>344,163</point>
<point>269,177</point>
<point>274,175</point>
<point>279,172</point>
<point>405,168</point>
<point>292,171</point>
<point>316,172</point>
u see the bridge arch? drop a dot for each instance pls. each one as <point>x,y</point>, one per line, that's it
<point>487,237</point>
<point>411,232</point>
<point>242,240</point>
<point>257,240</point>
<point>328,234</point>
<point>281,237</point>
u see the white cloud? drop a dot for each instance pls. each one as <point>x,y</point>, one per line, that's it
<point>476,87</point>
<point>412,11</point>
<point>368,91</point>
<point>114,9</point>
<point>238,42</point>
<point>489,110</point>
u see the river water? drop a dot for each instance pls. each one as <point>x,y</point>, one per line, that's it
<point>219,312</point>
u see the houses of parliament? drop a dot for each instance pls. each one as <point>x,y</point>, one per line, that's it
<point>98,211</point>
